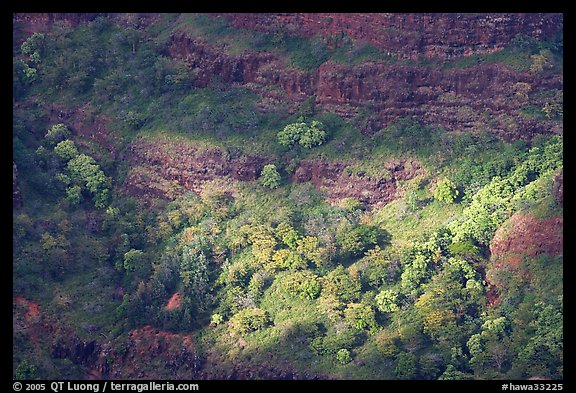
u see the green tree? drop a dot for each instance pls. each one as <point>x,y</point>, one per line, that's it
<point>57,133</point>
<point>269,177</point>
<point>307,136</point>
<point>360,316</point>
<point>86,172</point>
<point>314,135</point>
<point>33,47</point>
<point>387,300</point>
<point>405,365</point>
<point>343,356</point>
<point>290,135</point>
<point>446,191</point>
<point>249,320</point>
<point>26,370</point>
<point>132,259</point>
<point>303,284</point>
<point>356,241</point>
<point>66,150</point>
<point>287,234</point>
<point>451,374</point>
<point>342,285</point>
<point>74,195</point>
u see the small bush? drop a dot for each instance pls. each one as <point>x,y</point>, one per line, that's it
<point>249,320</point>
<point>446,191</point>
<point>343,356</point>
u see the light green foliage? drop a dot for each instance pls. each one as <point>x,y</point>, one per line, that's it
<point>74,195</point>
<point>270,177</point>
<point>287,234</point>
<point>290,135</point>
<point>286,259</point>
<point>446,191</point>
<point>451,374</point>
<point>308,247</point>
<point>86,172</point>
<point>249,320</point>
<point>132,259</point>
<point>303,284</point>
<point>496,201</point>
<point>56,134</point>
<point>263,243</point>
<point>216,319</point>
<point>343,356</point>
<point>307,136</point>
<point>415,273</point>
<point>33,46</point>
<point>387,300</point>
<point>66,150</point>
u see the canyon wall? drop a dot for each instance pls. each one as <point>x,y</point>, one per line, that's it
<point>411,36</point>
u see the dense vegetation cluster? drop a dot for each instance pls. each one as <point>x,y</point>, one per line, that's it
<point>398,292</point>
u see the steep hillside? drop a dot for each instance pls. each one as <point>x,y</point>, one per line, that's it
<point>287,196</point>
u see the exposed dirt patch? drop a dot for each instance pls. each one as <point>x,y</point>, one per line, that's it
<point>527,236</point>
<point>32,312</point>
<point>174,302</point>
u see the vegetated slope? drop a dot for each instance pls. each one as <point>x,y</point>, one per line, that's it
<point>416,235</point>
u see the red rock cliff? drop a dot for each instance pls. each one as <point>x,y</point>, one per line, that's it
<point>411,35</point>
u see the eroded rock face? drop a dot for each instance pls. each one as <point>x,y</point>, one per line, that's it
<point>173,355</point>
<point>338,182</point>
<point>490,97</point>
<point>525,235</point>
<point>484,96</point>
<point>164,169</point>
<point>410,36</point>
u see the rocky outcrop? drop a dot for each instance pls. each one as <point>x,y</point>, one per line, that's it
<point>481,97</point>
<point>339,182</point>
<point>489,97</point>
<point>410,36</point>
<point>142,353</point>
<point>149,353</point>
<point>166,169</point>
<point>526,236</point>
